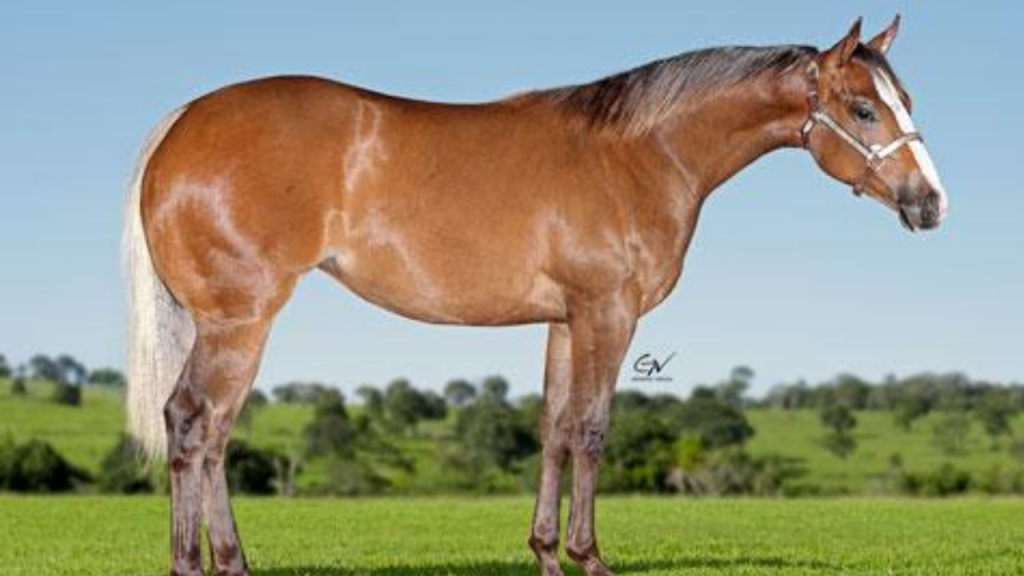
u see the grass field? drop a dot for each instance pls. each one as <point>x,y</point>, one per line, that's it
<point>85,433</point>
<point>121,536</point>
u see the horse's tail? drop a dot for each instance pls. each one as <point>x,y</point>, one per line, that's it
<point>160,331</point>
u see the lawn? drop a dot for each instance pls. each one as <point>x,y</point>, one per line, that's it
<point>121,536</point>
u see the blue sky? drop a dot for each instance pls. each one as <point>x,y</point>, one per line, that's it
<point>788,273</point>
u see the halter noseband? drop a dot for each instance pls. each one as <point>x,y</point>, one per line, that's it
<point>874,155</point>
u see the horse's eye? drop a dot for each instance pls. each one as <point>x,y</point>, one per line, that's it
<point>864,113</point>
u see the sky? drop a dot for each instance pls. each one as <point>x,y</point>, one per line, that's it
<point>789,273</point>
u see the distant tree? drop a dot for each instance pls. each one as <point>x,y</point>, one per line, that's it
<point>405,405</point>
<point>995,411</point>
<point>19,386</point>
<point>301,392</point>
<point>630,400</point>
<point>638,453</point>
<point>841,445</point>
<point>434,406</point>
<point>257,398</point>
<point>5,368</point>
<point>107,377</point>
<point>121,470</point>
<point>851,391</point>
<point>838,418</point>
<point>908,409</point>
<point>840,421</point>
<point>716,423</point>
<point>791,396</point>
<point>490,434</point>
<point>42,367</point>
<point>530,409</point>
<point>373,401</point>
<point>330,432</point>
<point>949,433</point>
<point>459,392</point>
<point>495,388</point>
<point>71,371</point>
<point>732,390</point>
<point>287,466</point>
<point>401,403</point>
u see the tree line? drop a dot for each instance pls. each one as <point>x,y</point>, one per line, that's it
<point>485,441</point>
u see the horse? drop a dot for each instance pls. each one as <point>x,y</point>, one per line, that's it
<point>572,206</point>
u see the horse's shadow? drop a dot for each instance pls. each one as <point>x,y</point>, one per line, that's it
<point>529,568</point>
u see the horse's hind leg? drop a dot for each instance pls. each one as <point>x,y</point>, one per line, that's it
<point>200,413</point>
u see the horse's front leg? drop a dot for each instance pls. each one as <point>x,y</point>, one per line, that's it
<point>601,330</point>
<point>555,431</point>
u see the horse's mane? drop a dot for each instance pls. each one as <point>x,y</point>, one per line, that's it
<point>633,101</point>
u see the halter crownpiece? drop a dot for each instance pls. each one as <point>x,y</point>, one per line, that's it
<point>874,155</point>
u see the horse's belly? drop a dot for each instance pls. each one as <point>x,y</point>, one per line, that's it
<point>455,295</point>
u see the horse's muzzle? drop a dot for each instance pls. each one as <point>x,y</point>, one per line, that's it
<point>923,214</point>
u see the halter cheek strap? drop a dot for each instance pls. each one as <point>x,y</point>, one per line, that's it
<point>874,155</point>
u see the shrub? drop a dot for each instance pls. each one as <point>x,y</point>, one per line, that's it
<point>489,433</point>
<point>122,471</point>
<point>946,480</point>
<point>35,466</point>
<point>249,470</point>
<point>67,394</point>
<point>718,424</point>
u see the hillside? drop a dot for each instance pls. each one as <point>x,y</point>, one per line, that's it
<point>85,433</point>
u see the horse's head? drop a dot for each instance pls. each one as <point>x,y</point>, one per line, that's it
<point>860,131</point>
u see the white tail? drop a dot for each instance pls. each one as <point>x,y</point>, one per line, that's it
<point>160,331</point>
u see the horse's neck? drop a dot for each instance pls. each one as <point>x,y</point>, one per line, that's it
<point>712,138</point>
<point>700,146</point>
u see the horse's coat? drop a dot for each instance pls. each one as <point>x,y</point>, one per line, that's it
<point>572,207</point>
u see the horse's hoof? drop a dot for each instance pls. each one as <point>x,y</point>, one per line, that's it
<point>591,564</point>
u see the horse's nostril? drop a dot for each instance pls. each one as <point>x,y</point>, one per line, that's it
<point>931,210</point>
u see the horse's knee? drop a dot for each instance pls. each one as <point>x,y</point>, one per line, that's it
<point>590,438</point>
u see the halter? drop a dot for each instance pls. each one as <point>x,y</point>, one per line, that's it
<point>874,155</point>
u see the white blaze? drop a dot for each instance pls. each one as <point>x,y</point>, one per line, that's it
<point>888,93</point>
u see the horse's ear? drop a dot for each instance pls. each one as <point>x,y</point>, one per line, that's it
<point>883,41</point>
<point>843,50</point>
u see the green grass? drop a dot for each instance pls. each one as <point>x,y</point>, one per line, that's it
<point>798,434</point>
<point>121,536</point>
<point>86,433</point>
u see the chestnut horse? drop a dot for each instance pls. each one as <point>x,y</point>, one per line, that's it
<point>572,206</point>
